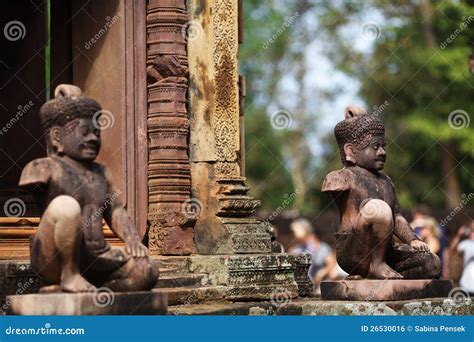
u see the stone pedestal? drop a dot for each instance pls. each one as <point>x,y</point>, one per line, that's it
<point>385,290</point>
<point>98,303</point>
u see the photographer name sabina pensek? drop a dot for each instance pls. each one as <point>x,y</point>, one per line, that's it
<point>440,328</point>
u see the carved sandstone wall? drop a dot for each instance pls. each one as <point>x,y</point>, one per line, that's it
<point>226,224</point>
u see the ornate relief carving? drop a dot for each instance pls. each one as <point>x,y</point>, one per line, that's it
<point>169,179</point>
<point>225,225</point>
<point>226,104</point>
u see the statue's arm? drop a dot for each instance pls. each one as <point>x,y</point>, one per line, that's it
<point>120,222</point>
<point>35,178</point>
<point>402,228</point>
<point>405,233</point>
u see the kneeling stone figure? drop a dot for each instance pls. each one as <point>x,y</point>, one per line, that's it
<point>374,240</point>
<point>69,251</point>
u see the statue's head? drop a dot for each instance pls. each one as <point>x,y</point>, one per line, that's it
<point>71,124</point>
<point>361,140</point>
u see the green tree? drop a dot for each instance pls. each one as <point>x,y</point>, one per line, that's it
<point>419,66</point>
<point>410,58</point>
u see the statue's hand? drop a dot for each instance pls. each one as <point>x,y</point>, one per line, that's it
<point>136,249</point>
<point>419,246</point>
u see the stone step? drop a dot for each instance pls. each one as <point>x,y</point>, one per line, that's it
<point>172,265</point>
<point>171,280</point>
<point>193,295</point>
<point>171,271</point>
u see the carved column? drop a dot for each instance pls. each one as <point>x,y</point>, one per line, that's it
<point>226,224</point>
<point>169,180</point>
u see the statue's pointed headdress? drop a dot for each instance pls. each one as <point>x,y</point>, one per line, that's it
<point>68,104</point>
<point>357,128</point>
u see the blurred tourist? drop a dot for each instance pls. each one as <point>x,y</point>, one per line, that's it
<point>419,214</point>
<point>464,243</point>
<point>428,229</point>
<point>430,234</point>
<point>323,261</point>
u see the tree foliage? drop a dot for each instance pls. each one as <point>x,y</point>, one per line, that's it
<point>411,61</point>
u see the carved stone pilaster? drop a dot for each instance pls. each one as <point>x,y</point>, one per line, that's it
<point>169,179</point>
<point>226,224</point>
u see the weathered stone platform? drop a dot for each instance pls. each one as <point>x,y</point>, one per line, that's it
<point>98,303</point>
<point>199,278</point>
<point>385,290</point>
<point>318,307</point>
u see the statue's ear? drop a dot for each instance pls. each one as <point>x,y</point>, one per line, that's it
<point>349,152</point>
<point>55,140</point>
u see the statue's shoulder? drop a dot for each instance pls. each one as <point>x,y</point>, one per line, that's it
<point>37,171</point>
<point>386,178</point>
<point>339,180</point>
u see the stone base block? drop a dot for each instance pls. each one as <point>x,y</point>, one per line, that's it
<point>272,276</point>
<point>385,290</point>
<point>97,303</point>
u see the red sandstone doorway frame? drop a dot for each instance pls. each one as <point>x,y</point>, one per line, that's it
<point>14,232</point>
<point>119,63</point>
<point>136,103</point>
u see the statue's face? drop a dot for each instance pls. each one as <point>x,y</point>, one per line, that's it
<point>373,156</point>
<point>80,140</point>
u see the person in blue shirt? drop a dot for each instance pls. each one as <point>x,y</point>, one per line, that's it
<point>323,260</point>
